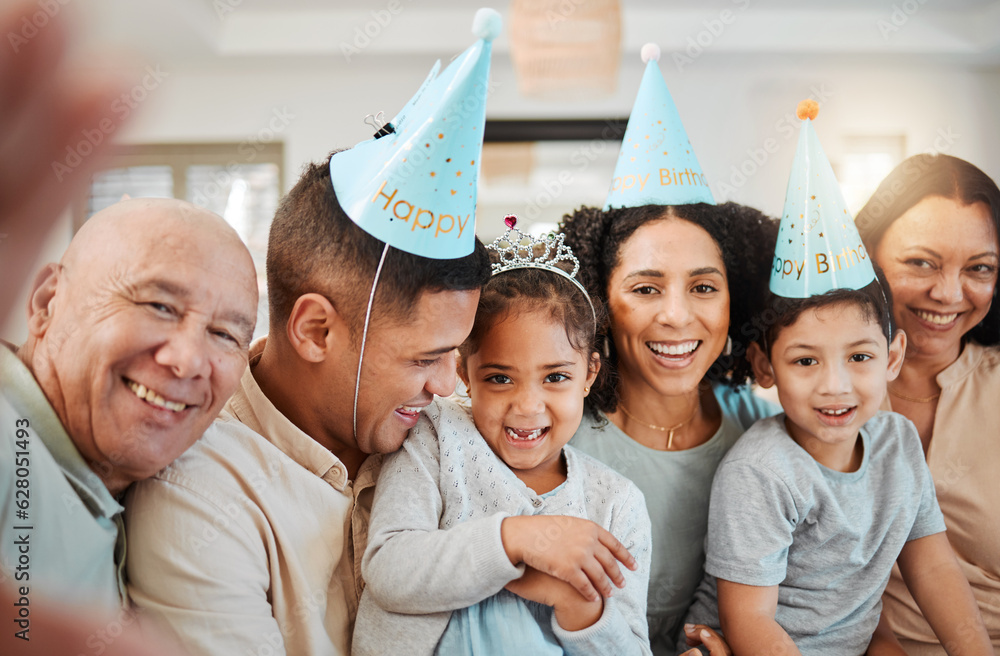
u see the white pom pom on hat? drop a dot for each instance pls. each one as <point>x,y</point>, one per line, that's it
<point>650,51</point>
<point>487,24</point>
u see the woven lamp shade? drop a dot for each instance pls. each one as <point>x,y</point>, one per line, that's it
<point>565,49</point>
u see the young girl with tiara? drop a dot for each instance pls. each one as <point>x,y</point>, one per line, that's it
<point>489,535</point>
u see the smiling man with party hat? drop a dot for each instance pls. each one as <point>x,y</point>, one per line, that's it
<point>811,508</point>
<point>251,543</point>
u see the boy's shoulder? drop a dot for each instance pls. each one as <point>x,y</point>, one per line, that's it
<point>891,432</point>
<point>888,422</point>
<point>762,441</point>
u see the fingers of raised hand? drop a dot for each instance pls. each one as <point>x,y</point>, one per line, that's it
<point>699,634</point>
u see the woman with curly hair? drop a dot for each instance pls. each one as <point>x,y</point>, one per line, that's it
<point>933,226</point>
<point>682,285</point>
<point>681,279</point>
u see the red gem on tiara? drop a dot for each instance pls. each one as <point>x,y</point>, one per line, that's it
<point>510,221</point>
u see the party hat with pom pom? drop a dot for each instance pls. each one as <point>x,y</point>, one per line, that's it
<point>656,165</point>
<point>818,246</point>
<point>414,184</point>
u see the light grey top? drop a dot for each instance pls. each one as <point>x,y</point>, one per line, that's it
<point>828,539</point>
<point>59,525</point>
<point>676,486</point>
<point>434,539</point>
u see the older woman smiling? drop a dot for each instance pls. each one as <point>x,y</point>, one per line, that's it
<point>933,227</point>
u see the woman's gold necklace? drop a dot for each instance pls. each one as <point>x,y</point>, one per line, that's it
<point>914,399</point>
<point>663,429</point>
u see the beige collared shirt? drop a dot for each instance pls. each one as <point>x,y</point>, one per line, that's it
<point>246,544</point>
<point>964,458</point>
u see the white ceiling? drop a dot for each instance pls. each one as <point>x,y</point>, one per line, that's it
<point>213,32</point>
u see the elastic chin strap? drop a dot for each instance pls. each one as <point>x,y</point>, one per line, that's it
<point>888,309</point>
<point>364,338</point>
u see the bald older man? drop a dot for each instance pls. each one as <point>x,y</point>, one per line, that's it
<point>136,340</point>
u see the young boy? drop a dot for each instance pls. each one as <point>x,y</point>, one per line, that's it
<point>811,508</point>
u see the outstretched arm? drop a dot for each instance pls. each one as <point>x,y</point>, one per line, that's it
<point>45,107</point>
<point>746,613</point>
<point>941,591</point>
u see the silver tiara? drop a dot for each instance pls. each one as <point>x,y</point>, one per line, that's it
<point>517,250</point>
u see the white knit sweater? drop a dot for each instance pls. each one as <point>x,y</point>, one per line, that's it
<point>434,539</point>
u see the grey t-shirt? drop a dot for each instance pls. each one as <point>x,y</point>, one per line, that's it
<point>676,485</point>
<point>827,539</point>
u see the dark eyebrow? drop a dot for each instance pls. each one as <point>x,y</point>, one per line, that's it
<point>653,273</point>
<point>493,365</point>
<point>504,367</point>
<point>933,253</point>
<point>929,251</point>
<point>992,254</point>
<point>440,351</point>
<point>645,273</point>
<point>861,342</point>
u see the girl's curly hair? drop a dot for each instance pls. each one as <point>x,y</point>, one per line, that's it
<point>746,238</point>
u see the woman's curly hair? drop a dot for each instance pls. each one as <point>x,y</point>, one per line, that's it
<point>746,238</point>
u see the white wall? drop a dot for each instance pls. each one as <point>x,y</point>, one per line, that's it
<point>730,105</point>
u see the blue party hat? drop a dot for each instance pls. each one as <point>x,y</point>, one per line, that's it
<point>656,165</point>
<point>818,246</point>
<point>414,184</point>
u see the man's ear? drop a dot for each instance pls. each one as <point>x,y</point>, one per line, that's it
<point>761,365</point>
<point>315,329</point>
<point>897,352</point>
<point>41,301</point>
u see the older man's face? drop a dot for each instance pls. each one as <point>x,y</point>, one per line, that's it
<point>147,340</point>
